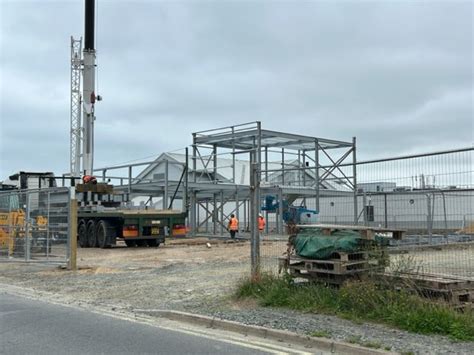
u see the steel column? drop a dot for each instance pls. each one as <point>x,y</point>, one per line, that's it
<point>316,172</point>
<point>215,215</point>
<point>354,174</point>
<point>165,192</point>
<point>222,213</point>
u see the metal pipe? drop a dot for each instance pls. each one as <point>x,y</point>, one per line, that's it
<point>165,192</point>
<point>194,159</point>
<point>214,162</point>
<point>222,212</point>
<point>129,179</point>
<point>316,172</point>
<point>215,216</point>
<point>186,181</point>
<point>233,158</point>
<point>354,174</point>
<point>283,166</point>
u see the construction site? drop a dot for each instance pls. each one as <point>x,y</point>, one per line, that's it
<point>180,231</point>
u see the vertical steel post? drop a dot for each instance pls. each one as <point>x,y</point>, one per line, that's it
<point>103,174</point>
<point>72,232</point>
<point>214,162</point>
<point>27,228</point>
<point>316,172</point>
<point>445,215</point>
<point>222,213</point>
<point>258,177</point>
<point>282,166</point>
<point>245,215</point>
<point>354,173</point>
<point>299,167</point>
<point>428,217</point>
<point>165,190</point>
<point>385,210</point>
<point>198,207</point>
<point>233,156</point>
<point>215,215</point>
<point>280,211</point>
<point>266,180</point>
<point>237,212</point>
<point>186,180</point>
<point>129,180</point>
<point>252,219</point>
<point>48,226</point>
<point>304,167</point>
<point>192,210</point>
<point>194,157</point>
<point>207,222</point>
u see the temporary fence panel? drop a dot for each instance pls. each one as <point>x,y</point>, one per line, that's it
<point>34,225</point>
<point>431,196</point>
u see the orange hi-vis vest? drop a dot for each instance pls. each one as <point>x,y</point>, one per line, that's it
<point>261,223</point>
<point>234,224</point>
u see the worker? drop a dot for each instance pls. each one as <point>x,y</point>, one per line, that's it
<point>89,179</point>
<point>233,226</point>
<point>261,223</point>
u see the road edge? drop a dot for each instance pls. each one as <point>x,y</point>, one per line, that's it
<point>262,332</point>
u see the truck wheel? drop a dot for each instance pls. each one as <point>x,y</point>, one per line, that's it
<point>82,234</point>
<point>91,236</point>
<point>131,243</point>
<point>153,243</point>
<point>105,232</point>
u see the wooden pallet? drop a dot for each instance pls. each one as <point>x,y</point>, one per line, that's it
<point>437,287</point>
<point>342,256</point>
<point>349,264</point>
<point>431,281</point>
<point>333,279</point>
<point>366,232</point>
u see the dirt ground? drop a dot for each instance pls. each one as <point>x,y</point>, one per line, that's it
<point>176,275</point>
<point>190,275</point>
<point>184,274</point>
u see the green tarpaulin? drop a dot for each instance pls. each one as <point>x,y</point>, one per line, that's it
<point>313,244</point>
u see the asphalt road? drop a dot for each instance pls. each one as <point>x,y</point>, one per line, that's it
<point>35,327</point>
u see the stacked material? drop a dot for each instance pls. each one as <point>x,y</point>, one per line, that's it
<point>334,254</point>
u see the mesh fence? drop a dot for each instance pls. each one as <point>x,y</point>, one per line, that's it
<point>431,197</point>
<point>34,225</point>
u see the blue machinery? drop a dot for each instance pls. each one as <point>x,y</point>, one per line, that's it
<point>291,214</point>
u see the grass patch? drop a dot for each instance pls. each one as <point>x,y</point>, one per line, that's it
<point>321,334</point>
<point>361,301</point>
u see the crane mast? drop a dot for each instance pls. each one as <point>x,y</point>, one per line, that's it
<point>82,106</point>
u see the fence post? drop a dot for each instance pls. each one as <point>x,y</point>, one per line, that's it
<point>72,262</point>
<point>27,240</point>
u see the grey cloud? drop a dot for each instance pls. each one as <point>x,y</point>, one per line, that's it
<point>398,75</point>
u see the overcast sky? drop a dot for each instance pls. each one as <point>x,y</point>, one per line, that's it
<point>398,75</point>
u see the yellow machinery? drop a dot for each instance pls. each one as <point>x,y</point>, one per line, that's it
<point>12,221</point>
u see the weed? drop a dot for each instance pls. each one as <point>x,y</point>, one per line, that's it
<point>361,301</point>
<point>321,334</point>
<point>354,339</point>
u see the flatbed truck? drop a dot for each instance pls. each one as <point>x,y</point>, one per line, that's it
<point>135,227</point>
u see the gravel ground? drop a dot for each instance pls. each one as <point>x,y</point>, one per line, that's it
<point>198,279</point>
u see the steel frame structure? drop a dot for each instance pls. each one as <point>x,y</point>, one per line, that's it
<point>319,160</point>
